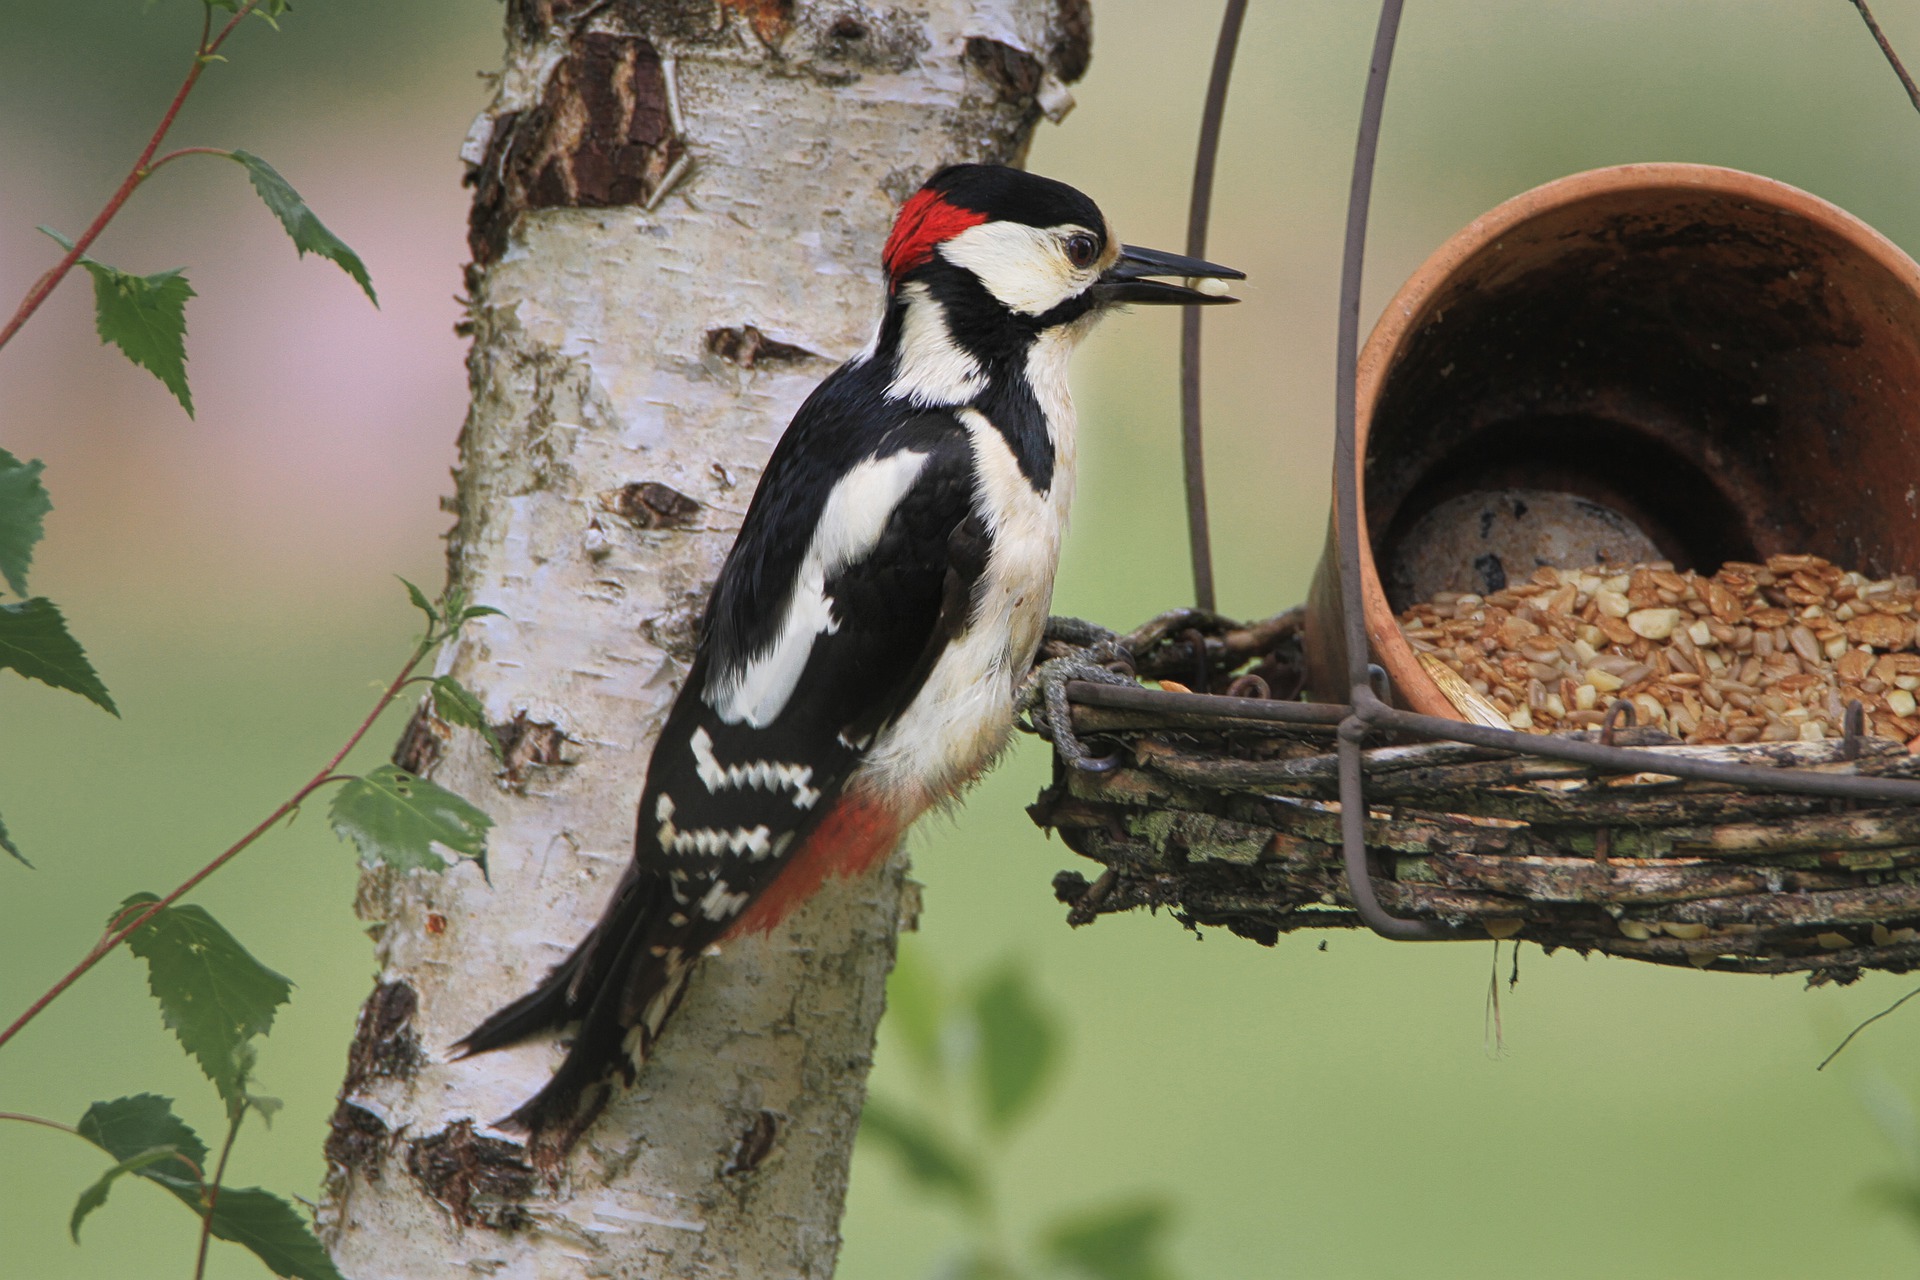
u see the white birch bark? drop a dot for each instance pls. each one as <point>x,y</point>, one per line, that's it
<point>621,365</point>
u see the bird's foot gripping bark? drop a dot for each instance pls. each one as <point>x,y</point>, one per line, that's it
<point>1080,651</point>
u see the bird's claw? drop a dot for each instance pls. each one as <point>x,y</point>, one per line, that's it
<point>1045,692</point>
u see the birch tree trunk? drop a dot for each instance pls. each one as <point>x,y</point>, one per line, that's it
<point>679,207</point>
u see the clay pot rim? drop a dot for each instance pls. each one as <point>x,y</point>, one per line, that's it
<point>1413,687</point>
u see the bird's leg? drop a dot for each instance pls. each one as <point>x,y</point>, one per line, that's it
<point>1078,633</point>
<point>1093,654</point>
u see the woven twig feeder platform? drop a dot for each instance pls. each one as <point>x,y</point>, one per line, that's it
<point>1233,821</point>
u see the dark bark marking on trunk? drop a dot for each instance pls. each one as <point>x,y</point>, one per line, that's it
<point>481,1182</point>
<point>422,743</point>
<point>384,1045</point>
<point>855,40</point>
<point>1072,50</point>
<point>525,742</point>
<point>755,1145</point>
<point>357,1142</point>
<point>602,136</point>
<point>771,20</point>
<point>1014,73</point>
<point>749,348</point>
<point>648,504</point>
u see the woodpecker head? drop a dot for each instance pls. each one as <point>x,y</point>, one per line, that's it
<point>994,257</point>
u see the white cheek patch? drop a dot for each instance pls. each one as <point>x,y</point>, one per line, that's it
<point>932,369</point>
<point>856,513</point>
<point>1024,267</point>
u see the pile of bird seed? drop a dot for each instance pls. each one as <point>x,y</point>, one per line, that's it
<point>1755,653</point>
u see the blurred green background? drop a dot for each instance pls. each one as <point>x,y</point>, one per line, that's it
<point>1314,1113</point>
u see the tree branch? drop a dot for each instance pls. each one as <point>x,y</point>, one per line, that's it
<point>142,169</point>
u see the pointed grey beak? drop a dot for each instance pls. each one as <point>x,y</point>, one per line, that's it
<point>1129,279</point>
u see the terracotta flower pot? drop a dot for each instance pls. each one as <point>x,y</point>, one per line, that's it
<point>1668,358</point>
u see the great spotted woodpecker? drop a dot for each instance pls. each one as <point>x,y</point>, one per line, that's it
<point>860,653</point>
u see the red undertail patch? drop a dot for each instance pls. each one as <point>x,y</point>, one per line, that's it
<point>855,836</point>
<point>925,220</point>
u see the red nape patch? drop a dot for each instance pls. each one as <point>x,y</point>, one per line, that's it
<point>925,220</point>
<point>856,836</point>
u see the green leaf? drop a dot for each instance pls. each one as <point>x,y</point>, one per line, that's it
<point>6,842</point>
<point>421,603</point>
<point>126,1127</point>
<point>1124,1242</point>
<point>1018,1047</point>
<point>397,818</point>
<point>923,1153</point>
<point>35,642</point>
<point>274,1230</point>
<point>309,234</point>
<point>213,994</point>
<point>96,1195</point>
<point>146,317</point>
<point>456,704</point>
<point>23,505</point>
<point>248,1216</point>
<point>916,1008</point>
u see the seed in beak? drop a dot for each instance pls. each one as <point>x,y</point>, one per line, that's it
<point>1211,287</point>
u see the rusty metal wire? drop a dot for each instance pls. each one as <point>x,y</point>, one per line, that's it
<point>1893,59</point>
<point>1367,710</point>
<point>1199,212</point>
<point>1353,729</point>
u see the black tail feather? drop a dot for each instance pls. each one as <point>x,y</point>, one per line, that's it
<point>620,986</point>
<point>545,1008</point>
<point>570,989</point>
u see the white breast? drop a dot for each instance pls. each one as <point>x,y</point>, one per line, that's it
<point>963,714</point>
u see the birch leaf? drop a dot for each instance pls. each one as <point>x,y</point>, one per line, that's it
<point>23,506</point>
<point>397,818</point>
<point>34,641</point>
<point>213,995</point>
<point>274,1230</point>
<point>308,233</point>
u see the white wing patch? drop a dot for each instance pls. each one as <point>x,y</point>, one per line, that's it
<point>856,514</point>
<point>932,369</point>
<point>761,775</point>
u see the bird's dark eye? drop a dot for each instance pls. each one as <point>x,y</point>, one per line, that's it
<point>1082,249</point>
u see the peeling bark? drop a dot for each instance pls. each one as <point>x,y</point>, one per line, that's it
<point>678,209</point>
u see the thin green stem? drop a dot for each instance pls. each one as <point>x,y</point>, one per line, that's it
<point>121,932</point>
<point>171,156</point>
<point>142,168</point>
<point>23,1118</point>
<point>45,1123</point>
<point>213,1191</point>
